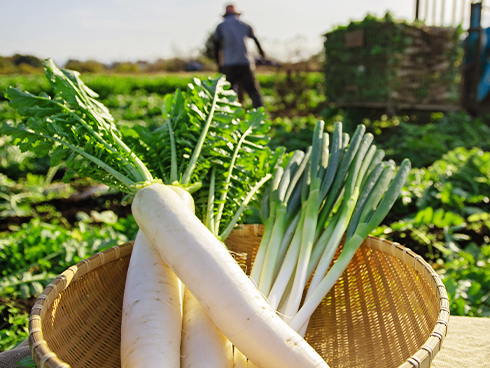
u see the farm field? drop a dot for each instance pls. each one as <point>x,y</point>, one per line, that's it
<point>47,225</point>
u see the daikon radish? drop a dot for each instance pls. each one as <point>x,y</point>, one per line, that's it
<point>227,295</point>
<point>203,345</point>
<point>151,326</point>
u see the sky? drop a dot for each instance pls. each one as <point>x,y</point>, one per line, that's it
<point>124,30</point>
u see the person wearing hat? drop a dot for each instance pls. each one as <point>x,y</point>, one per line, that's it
<point>232,56</point>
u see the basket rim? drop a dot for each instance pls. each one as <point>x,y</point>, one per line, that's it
<point>44,357</point>
<point>433,344</point>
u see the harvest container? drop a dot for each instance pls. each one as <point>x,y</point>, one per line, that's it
<point>380,62</point>
<point>389,309</point>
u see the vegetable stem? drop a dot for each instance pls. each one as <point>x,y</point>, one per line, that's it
<point>197,150</point>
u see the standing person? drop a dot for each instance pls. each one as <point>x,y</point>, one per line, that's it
<point>236,62</point>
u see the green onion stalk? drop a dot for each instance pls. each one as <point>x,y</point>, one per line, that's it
<point>342,190</point>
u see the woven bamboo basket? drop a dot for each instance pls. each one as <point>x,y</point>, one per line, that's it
<point>389,309</point>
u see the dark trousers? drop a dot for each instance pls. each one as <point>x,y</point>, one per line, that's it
<point>243,77</point>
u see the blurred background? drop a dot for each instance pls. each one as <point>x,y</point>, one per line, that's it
<point>119,31</point>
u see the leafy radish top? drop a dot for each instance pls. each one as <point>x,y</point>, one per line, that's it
<point>208,144</point>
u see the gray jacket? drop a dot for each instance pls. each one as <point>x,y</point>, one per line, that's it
<point>230,36</point>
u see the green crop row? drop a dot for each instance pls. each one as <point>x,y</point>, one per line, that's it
<point>291,93</point>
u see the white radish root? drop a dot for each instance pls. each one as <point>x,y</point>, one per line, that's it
<point>203,345</point>
<point>152,311</point>
<point>227,295</point>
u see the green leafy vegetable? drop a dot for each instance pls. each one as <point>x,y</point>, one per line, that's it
<point>213,147</point>
<point>207,138</point>
<point>73,125</point>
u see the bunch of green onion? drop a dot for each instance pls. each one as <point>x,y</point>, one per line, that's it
<point>339,189</point>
